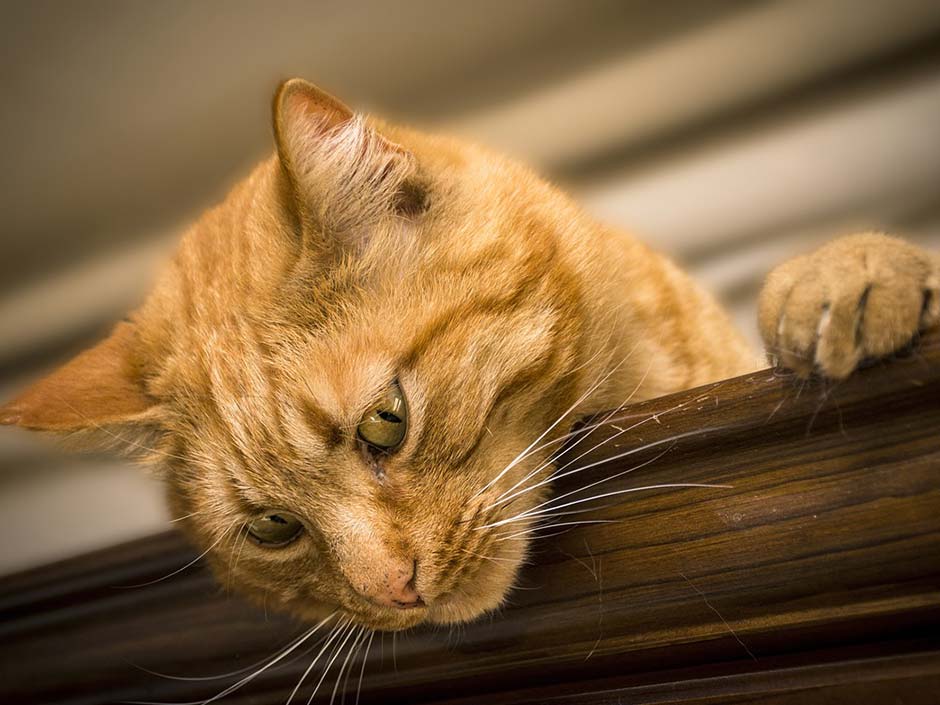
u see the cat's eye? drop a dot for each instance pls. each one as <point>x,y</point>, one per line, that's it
<point>275,529</point>
<point>384,426</point>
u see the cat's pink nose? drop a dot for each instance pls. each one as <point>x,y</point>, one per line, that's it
<point>397,589</point>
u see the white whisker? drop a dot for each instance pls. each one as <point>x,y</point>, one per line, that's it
<point>558,472</point>
<point>544,509</point>
<point>602,461</point>
<point>487,558</point>
<point>647,487</point>
<point>180,570</point>
<point>536,529</point>
<point>248,679</point>
<point>221,676</point>
<point>99,427</point>
<point>239,543</point>
<point>553,457</point>
<point>185,516</point>
<point>336,652</point>
<point>362,669</point>
<point>548,430</point>
<point>339,676</point>
<point>334,632</point>
<point>357,650</point>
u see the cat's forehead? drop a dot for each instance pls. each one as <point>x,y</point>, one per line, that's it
<point>335,375</point>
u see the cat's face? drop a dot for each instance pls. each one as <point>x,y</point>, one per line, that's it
<point>347,370</point>
<point>392,535</point>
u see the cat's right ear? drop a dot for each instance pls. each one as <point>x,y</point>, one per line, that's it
<point>98,390</point>
<point>344,176</point>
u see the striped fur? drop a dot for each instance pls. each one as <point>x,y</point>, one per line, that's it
<point>358,254</point>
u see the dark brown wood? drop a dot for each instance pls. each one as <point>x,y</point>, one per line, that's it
<point>813,576</point>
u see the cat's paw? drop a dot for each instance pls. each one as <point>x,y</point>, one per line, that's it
<point>859,297</point>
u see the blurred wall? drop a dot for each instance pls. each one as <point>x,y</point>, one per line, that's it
<point>731,134</point>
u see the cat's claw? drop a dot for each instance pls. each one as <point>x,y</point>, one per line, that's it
<point>860,297</point>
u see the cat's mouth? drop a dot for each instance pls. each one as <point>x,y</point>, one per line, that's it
<point>448,609</point>
<point>381,618</point>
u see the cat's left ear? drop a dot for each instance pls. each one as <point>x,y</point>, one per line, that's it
<point>99,389</point>
<point>344,175</point>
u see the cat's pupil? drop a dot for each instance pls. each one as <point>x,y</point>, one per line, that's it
<point>389,416</point>
<point>277,519</point>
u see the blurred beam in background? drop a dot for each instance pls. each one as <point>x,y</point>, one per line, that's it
<point>731,134</point>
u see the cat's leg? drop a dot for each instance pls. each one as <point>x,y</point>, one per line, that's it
<point>861,296</point>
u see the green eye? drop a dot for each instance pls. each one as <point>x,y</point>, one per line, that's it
<point>275,529</point>
<point>385,424</point>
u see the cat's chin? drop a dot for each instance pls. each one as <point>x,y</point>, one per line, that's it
<point>444,611</point>
<point>459,611</point>
<point>449,609</point>
<point>379,619</point>
<point>472,600</point>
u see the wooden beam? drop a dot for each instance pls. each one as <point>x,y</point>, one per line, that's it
<point>813,575</point>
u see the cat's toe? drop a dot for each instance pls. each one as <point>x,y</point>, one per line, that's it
<point>873,320</point>
<point>798,322</point>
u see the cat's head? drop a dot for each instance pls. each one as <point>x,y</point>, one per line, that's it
<point>350,371</point>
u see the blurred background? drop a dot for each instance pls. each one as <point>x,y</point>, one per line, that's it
<point>730,134</point>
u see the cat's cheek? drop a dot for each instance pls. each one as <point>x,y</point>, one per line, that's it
<point>486,592</point>
<point>461,608</point>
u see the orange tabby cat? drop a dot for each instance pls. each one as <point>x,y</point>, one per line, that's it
<point>380,333</point>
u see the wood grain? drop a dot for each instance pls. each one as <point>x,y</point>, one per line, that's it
<point>813,576</point>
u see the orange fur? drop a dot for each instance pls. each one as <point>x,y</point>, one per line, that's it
<point>361,253</point>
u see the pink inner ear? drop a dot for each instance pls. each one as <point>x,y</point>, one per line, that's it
<point>312,108</point>
<point>304,110</point>
<point>346,175</point>
<point>303,106</point>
